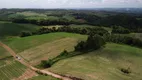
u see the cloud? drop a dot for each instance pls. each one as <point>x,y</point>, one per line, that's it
<point>122,3</point>
<point>69,3</point>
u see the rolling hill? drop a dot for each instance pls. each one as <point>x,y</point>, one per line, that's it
<point>8,29</point>
<point>103,64</point>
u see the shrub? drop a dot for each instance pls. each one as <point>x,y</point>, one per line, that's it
<point>64,53</point>
<point>46,64</point>
<point>126,71</point>
<point>80,46</point>
<point>25,33</point>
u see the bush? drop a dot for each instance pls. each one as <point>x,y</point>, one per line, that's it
<point>63,54</point>
<point>126,71</point>
<point>80,46</point>
<point>50,62</point>
<point>46,64</point>
<point>25,33</point>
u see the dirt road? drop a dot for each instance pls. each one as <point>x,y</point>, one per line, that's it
<point>29,66</point>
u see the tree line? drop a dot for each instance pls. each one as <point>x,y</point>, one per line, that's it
<point>120,30</point>
<point>122,39</point>
<point>86,31</point>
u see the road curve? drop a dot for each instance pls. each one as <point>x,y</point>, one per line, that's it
<point>29,66</point>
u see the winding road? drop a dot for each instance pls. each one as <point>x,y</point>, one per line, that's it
<point>30,66</point>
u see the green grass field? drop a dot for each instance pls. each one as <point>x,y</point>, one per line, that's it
<point>103,64</point>
<point>41,77</point>
<point>30,14</point>
<point>90,26</point>
<point>21,44</point>
<point>12,29</point>
<point>11,70</point>
<point>3,53</point>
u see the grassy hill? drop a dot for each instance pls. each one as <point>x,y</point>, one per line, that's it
<point>103,64</point>
<point>42,47</point>
<point>21,44</point>
<point>13,29</point>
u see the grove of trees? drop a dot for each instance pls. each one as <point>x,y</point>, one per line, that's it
<point>93,42</point>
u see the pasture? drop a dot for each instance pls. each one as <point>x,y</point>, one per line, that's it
<point>8,29</point>
<point>3,53</point>
<point>21,44</point>
<point>103,64</point>
<point>46,46</point>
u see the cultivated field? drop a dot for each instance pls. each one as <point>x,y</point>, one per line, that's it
<point>11,70</point>
<point>41,77</point>
<point>48,50</point>
<point>104,64</point>
<point>21,44</point>
<point>54,45</point>
<point>3,53</point>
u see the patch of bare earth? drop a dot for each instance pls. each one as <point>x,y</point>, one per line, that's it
<point>48,50</point>
<point>27,74</point>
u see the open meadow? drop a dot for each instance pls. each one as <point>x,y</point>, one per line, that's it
<point>103,64</point>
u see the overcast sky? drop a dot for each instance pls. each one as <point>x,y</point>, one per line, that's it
<point>70,3</point>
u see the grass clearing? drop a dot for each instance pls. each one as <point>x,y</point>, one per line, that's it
<point>103,64</point>
<point>48,50</point>
<point>90,26</point>
<point>21,44</point>
<point>30,14</point>
<point>3,53</point>
<point>13,29</point>
<point>5,57</point>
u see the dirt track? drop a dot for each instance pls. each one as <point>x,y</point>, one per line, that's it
<point>31,67</point>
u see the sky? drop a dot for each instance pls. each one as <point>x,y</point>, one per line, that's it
<point>70,3</point>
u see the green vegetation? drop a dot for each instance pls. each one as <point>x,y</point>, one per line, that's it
<point>4,56</point>
<point>104,64</point>
<point>57,48</point>
<point>13,29</point>
<point>48,63</point>
<point>21,44</point>
<point>41,77</point>
<point>93,42</point>
<point>124,39</point>
<point>120,30</point>
<point>3,53</point>
<point>12,70</point>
